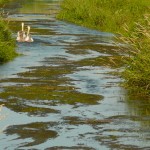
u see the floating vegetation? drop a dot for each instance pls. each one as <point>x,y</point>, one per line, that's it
<point>39,132</point>
<point>43,83</point>
<point>79,121</point>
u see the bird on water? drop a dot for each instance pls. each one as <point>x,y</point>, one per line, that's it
<point>24,37</point>
<point>21,35</point>
<point>28,37</point>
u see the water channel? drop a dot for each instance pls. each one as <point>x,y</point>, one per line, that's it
<point>63,93</point>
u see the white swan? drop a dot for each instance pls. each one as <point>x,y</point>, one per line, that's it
<point>21,34</point>
<point>28,37</point>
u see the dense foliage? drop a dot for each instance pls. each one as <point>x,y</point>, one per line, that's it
<point>7,44</point>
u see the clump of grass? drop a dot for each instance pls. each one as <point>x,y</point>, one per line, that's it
<point>7,43</point>
<point>137,72</point>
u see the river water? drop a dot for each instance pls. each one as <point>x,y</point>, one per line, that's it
<point>63,91</point>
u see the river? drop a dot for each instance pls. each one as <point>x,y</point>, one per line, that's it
<point>63,92</point>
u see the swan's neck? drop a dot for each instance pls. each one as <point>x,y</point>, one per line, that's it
<point>22,26</point>
<point>28,31</point>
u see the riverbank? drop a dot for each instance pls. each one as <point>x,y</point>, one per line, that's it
<point>7,43</point>
<point>118,17</point>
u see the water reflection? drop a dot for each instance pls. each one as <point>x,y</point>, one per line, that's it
<point>139,106</point>
<point>39,7</point>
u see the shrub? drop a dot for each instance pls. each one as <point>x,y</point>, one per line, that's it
<point>7,43</point>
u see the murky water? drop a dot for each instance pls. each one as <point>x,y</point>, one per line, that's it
<point>62,92</point>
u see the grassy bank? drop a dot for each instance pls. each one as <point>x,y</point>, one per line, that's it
<point>113,16</point>
<point>106,15</point>
<point>137,74</point>
<point>7,43</point>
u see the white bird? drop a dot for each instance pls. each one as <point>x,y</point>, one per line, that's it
<point>21,34</point>
<point>28,37</point>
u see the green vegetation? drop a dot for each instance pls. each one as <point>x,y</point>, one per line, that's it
<point>3,2</point>
<point>7,44</point>
<point>129,18</point>
<point>137,74</point>
<point>1,117</point>
<point>106,15</point>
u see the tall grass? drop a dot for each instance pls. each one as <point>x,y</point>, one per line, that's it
<point>105,15</point>
<point>137,73</point>
<point>7,43</point>
<point>130,18</point>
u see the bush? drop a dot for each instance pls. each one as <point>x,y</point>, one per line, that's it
<point>7,44</point>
